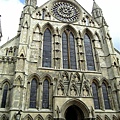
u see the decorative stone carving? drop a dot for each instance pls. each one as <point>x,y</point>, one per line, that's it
<point>65,77</point>
<point>57,112</point>
<point>66,12</point>
<point>86,89</point>
<point>73,91</point>
<point>60,90</point>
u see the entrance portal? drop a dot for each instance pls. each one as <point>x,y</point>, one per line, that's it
<point>74,113</point>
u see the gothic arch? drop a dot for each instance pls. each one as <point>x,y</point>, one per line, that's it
<point>60,85</point>
<point>34,75</point>
<point>46,76</point>
<point>49,117</point>
<point>28,117</point>
<point>88,32</point>
<point>18,80</point>
<point>4,117</point>
<point>114,117</point>
<point>78,103</point>
<point>25,25</point>
<point>22,52</point>
<point>5,81</point>
<point>104,80</point>
<point>49,26</point>
<point>94,79</point>
<point>98,36</point>
<point>98,117</point>
<point>38,117</point>
<point>70,28</point>
<point>107,118</point>
<point>37,28</point>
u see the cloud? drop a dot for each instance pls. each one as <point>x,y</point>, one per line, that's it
<point>11,11</point>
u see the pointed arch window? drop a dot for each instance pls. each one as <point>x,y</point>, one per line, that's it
<point>105,97</point>
<point>89,53</point>
<point>33,93</point>
<point>4,96</point>
<point>46,61</point>
<point>95,96</point>
<point>45,101</point>
<point>68,50</point>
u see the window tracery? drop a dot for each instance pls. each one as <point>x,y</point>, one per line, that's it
<point>33,94</point>
<point>89,53</point>
<point>105,96</point>
<point>4,96</point>
<point>65,11</point>
<point>45,101</point>
<point>68,50</point>
<point>46,61</point>
<point>95,95</point>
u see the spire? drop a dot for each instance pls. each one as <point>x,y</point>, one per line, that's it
<point>31,2</point>
<point>0,29</point>
<point>98,14</point>
<point>96,10</point>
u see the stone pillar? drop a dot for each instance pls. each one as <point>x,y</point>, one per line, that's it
<point>101,98</point>
<point>56,51</point>
<point>80,53</point>
<point>40,50</point>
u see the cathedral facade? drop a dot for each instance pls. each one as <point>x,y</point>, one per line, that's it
<point>61,65</point>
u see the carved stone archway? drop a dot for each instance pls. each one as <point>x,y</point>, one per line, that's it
<point>74,113</point>
<point>78,108</point>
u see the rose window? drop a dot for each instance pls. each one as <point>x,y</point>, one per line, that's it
<point>65,12</point>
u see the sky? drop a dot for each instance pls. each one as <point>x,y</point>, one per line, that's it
<point>10,10</point>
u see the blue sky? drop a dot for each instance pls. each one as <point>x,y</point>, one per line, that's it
<point>11,11</point>
<point>22,1</point>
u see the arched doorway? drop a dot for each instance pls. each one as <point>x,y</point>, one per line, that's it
<point>74,113</point>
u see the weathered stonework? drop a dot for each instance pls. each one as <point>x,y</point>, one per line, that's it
<point>21,61</point>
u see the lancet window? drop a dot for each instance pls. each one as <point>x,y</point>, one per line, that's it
<point>45,101</point>
<point>105,96</point>
<point>95,96</point>
<point>68,50</point>
<point>47,45</point>
<point>4,96</point>
<point>89,53</point>
<point>33,93</point>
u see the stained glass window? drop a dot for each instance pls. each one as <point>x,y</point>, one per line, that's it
<point>72,52</point>
<point>95,96</point>
<point>65,50</point>
<point>45,101</point>
<point>105,96</point>
<point>33,93</point>
<point>68,50</point>
<point>46,61</point>
<point>4,97</point>
<point>89,53</point>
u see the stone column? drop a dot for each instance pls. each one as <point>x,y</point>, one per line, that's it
<point>100,95</point>
<point>80,53</point>
<point>57,51</point>
<point>40,50</point>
